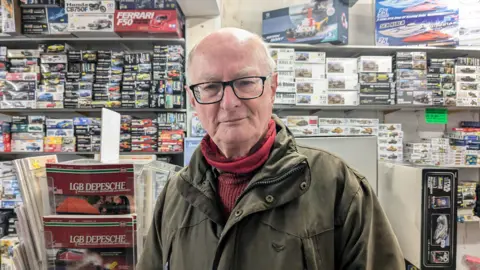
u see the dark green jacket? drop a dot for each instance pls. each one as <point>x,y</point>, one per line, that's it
<point>304,209</point>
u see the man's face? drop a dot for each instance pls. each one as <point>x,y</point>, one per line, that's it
<point>232,121</point>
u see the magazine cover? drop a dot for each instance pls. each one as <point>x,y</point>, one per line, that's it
<point>94,189</point>
<point>86,242</point>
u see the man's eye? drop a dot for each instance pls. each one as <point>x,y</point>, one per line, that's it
<point>246,82</point>
<point>210,87</point>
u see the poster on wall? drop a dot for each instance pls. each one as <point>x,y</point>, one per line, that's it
<point>439,219</point>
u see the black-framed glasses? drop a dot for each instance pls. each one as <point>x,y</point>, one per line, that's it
<point>245,88</point>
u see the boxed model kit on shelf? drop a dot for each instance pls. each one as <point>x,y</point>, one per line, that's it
<point>318,22</point>
<point>165,22</point>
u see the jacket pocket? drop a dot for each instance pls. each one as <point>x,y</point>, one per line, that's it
<point>319,251</point>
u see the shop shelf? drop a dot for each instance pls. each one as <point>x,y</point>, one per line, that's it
<point>200,8</point>
<point>385,108</point>
<point>357,50</point>
<point>85,153</point>
<point>87,110</point>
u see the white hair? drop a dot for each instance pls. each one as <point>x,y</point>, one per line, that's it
<point>261,52</point>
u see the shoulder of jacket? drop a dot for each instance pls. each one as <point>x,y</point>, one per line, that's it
<point>332,176</point>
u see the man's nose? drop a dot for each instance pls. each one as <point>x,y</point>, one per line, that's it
<point>230,100</point>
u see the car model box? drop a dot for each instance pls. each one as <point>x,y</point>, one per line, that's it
<point>316,22</point>
<point>440,30</point>
<point>57,20</point>
<point>167,22</point>
<point>89,6</point>
<point>27,145</point>
<point>80,22</point>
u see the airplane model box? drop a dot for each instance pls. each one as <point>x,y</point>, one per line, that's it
<point>318,22</point>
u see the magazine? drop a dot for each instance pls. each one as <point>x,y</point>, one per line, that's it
<point>93,189</point>
<point>90,242</point>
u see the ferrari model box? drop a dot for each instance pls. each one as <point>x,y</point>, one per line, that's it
<point>317,22</point>
<point>168,22</point>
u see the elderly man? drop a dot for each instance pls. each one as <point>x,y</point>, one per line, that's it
<point>251,198</point>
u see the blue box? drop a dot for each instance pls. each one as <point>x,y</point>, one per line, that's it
<point>387,10</point>
<point>318,22</point>
<point>424,30</point>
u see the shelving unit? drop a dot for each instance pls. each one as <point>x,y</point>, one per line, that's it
<point>383,108</point>
<point>85,153</point>
<point>87,110</point>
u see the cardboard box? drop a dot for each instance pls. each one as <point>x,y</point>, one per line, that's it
<point>27,145</point>
<point>371,77</point>
<point>80,22</point>
<point>59,124</point>
<point>410,74</point>
<point>362,130</point>
<point>342,82</point>
<point>308,23</point>
<point>333,130</point>
<point>11,17</point>
<point>343,98</point>
<point>393,157</point>
<point>389,140</point>
<point>376,88</point>
<point>375,100</point>
<point>34,21</point>
<point>347,66</point>
<point>411,85</point>
<point>414,31</point>
<point>422,98</point>
<point>467,86</point>
<point>301,121</point>
<point>167,22</point>
<point>310,71</point>
<point>390,127</point>
<point>286,84</point>
<point>385,11</point>
<point>283,54</point>
<point>375,64</point>
<point>89,6</point>
<point>57,20</point>
<point>404,97</point>
<point>310,57</point>
<point>285,98</point>
<point>363,122</point>
<point>311,91</point>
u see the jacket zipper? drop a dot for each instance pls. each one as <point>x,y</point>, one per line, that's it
<point>268,181</point>
<point>272,180</point>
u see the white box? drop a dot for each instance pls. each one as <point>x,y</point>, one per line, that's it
<point>310,71</point>
<point>388,156</point>
<point>45,96</point>
<point>285,75</point>
<point>390,127</point>
<point>342,82</point>
<point>311,91</point>
<point>197,128</point>
<point>392,148</point>
<point>285,65</point>
<point>467,77</point>
<point>468,102</point>
<point>53,58</point>
<point>342,65</point>
<point>389,140</point>
<point>90,22</point>
<point>89,6</point>
<point>284,54</point>
<point>302,121</point>
<point>286,84</point>
<point>310,57</point>
<point>462,70</point>
<point>337,130</point>
<point>311,99</point>
<point>27,145</point>
<point>285,98</point>
<point>363,122</point>
<point>468,94</point>
<point>365,131</point>
<point>375,64</point>
<point>343,98</point>
<point>332,121</point>
<point>398,135</point>
<point>60,132</point>
<point>306,130</point>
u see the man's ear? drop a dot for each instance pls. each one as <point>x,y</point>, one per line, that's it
<point>191,98</point>
<point>273,85</point>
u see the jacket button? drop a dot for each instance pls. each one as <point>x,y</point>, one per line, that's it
<point>238,213</point>
<point>269,198</point>
<point>303,185</point>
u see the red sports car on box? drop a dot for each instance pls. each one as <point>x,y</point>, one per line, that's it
<point>159,21</point>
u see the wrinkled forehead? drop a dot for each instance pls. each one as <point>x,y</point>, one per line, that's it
<point>225,59</point>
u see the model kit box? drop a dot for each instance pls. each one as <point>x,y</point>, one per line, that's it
<point>343,98</point>
<point>311,92</point>
<point>301,121</point>
<point>90,6</point>
<point>368,122</point>
<point>57,20</point>
<point>363,131</point>
<point>11,18</point>
<point>375,64</point>
<point>422,98</point>
<point>97,22</point>
<point>285,98</point>
<point>149,21</point>
<point>397,134</point>
<point>439,30</point>
<point>387,9</point>
<point>332,121</point>
<point>375,100</point>
<point>376,88</point>
<point>317,22</point>
<point>27,145</point>
<point>342,82</point>
<point>333,130</point>
<point>282,54</point>
<point>311,71</point>
<point>390,127</point>
<point>310,57</point>
<point>372,77</point>
<point>345,66</point>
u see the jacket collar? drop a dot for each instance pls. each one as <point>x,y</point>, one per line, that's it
<point>199,175</point>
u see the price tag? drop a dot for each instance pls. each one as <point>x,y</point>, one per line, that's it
<point>436,116</point>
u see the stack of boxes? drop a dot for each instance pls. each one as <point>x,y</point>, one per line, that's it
<point>27,133</point>
<point>376,86</point>
<point>310,78</point>
<point>90,15</point>
<point>284,59</point>
<point>60,135</point>
<point>170,140</point>
<point>5,137</point>
<point>347,126</point>
<point>88,134</point>
<point>44,20</point>
<point>9,188</point>
<point>411,78</point>
<point>303,125</point>
<point>108,77</point>
<point>390,142</point>
<point>440,151</point>
<point>167,88</point>
<point>197,129</point>
<point>144,135</point>
<point>440,80</point>
<point>72,87</point>
<point>418,153</point>
<point>137,80</point>
<point>125,133</point>
<point>50,93</point>
<point>342,76</point>
<point>467,78</point>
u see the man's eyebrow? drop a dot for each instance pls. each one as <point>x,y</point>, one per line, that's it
<point>246,72</point>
